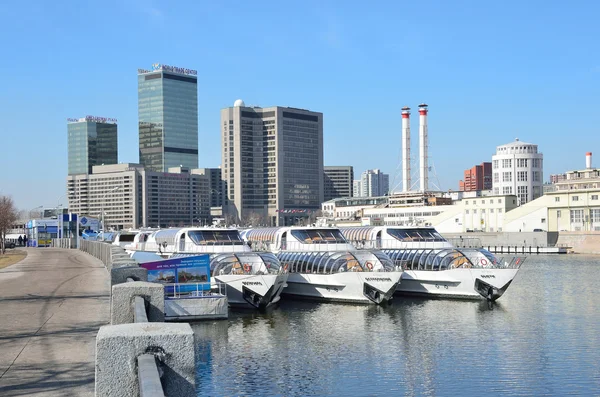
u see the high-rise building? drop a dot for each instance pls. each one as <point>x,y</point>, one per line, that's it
<point>517,169</point>
<point>128,196</point>
<point>168,117</point>
<point>338,181</point>
<point>91,141</point>
<point>374,183</point>
<point>215,185</point>
<point>478,177</point>
<point>356,186</point>
<point>272,163</point>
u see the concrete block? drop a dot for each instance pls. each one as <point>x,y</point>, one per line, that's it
<point>117,349</point>
<point>125,262</point>
<point>203,308</point>
<point>119,275</point>
<point>121,308</point>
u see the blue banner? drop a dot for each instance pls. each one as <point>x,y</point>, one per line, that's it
<point>185,270</point>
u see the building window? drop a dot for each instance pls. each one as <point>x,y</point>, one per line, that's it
<point>575,198</point>
<point>467,212</point>
<point>558,213</point>
<point>466,203</point>
<point>496,177</point>
<point>507,163</point>
<point>576,216</point>
<point>556,199</point>
<point>543,220</point>
<point>594,197</point>
<point>499,210</point>
<point>536,176</point>
<point>491,210</point>
<point>483,211</point>
<point>522,176</point>
<point>507,190</point>
<point>495,164</point>
<point>595,215</point>
<point>475,211</point>
<point>507,177</point>
<point>482,201</point>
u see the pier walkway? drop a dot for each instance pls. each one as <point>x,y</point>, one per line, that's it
<point>51,306</point>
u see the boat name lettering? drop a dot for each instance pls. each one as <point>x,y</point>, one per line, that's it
<point>488,276</point>
<point>251,283</point>
<point>377,279</point>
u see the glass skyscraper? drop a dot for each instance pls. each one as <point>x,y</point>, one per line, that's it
<point>168,117</point>
<point>91,141</point>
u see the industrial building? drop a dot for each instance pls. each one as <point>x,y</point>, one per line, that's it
<point>272,163</point>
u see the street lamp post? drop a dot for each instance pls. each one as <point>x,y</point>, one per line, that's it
<point>102,206</point>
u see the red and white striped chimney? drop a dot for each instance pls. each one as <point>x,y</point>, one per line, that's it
<point>406,180</point>
<point>424,178</point>
<point>588,160</point>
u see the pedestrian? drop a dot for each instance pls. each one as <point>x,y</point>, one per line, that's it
<point>25,241</point>
<point>20,239</point>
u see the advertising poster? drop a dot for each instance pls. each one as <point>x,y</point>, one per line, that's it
<point>186,270</point>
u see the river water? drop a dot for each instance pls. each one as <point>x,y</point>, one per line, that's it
<point>541,338</point>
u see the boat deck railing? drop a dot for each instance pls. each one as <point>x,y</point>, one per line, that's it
<point>193,290</point>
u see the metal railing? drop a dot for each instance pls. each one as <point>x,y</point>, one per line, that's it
<point>194,290</point>
<point>68,243</point>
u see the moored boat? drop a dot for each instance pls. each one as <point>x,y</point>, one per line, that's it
<point>434,267</point>
<point>324,266</point>
<point>251,278</point>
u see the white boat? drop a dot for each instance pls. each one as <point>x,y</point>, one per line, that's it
<point>251,279</point>
<point>434,267</point>
<point>138,242</point>
<point>324,266</point>
<point>124,237</point>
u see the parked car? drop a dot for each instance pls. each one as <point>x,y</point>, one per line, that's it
<point>538,230</point>
<point>9,244</point>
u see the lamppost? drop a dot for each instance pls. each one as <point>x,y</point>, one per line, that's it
<point>102,206</point>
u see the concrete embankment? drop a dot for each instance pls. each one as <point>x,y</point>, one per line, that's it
<point>51,307</point>
<point>578,242</point>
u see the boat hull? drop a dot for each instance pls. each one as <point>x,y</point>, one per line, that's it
<point>473,283</point>
<point>349,287</point>
<point>253,291</point>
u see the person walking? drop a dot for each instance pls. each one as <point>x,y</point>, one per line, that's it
<point>20,240</point>
<point>25,241</point>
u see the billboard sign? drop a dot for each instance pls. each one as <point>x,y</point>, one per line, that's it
<point>187,270</point>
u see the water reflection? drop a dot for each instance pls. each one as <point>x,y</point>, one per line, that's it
<point>540,338</point>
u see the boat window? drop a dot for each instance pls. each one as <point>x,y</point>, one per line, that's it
<point>319,236</point>
<point>215,237</point>
<point>410,235</point>
<point>123,238</point>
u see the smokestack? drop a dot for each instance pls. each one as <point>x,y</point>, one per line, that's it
<point>406,182</point>
<point>423,147</point>
<point>588,160</point>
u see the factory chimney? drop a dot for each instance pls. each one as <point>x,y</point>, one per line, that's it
<point>406,182</point>
<point>588,160</point>
<point>423,147</point>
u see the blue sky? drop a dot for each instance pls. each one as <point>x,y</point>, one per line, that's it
<point>490,72</point>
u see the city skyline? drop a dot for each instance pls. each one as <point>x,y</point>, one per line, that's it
<point>497,85</point>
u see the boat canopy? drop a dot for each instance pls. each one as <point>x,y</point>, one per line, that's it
<point>443,259</point>
<point>249,263</point>
<point>215,237</point>
<point>263,234</point>
<point>304,235</point>
<point>336,261</point>
<point>366,233</point>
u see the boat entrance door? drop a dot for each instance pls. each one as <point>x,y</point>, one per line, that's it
<point>182,243</point>
<point>378,240</point>
<point>284,241</point>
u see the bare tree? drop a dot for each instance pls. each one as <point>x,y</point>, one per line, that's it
<point>8,217</point>
<point>253,219</point>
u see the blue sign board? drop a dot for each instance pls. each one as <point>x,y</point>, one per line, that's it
<point>185,270</point>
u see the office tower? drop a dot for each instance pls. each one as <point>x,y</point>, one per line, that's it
<point>91,141</point>
<point>168,117</point>
<point>272,163</point>
<point>478,177</point>
<point>374,183</point>
<point>517,169</point>
<point>215,192</point>
<point>338,182</point>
